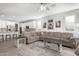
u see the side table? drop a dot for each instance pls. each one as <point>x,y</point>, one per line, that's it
<point>18,41</point>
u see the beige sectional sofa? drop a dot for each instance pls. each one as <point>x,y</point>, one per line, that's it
<point>66,37</point>
<point>32,36</point>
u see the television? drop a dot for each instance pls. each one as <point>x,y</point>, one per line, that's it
<point>27,27</point>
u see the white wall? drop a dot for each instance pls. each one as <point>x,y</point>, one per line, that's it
<point>4,23</point>
<point>61,16</point>
<point>54,19</point>
<point>31,24</point>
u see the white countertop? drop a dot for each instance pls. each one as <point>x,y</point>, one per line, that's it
<point>8,33</point>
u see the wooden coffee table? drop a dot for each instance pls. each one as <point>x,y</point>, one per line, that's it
<point>57,41</point>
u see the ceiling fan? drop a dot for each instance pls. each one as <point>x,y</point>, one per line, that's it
<point>47,6</point>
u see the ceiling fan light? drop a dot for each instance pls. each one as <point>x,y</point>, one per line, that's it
<point>42,8</point>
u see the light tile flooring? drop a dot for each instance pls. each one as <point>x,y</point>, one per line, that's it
<point>8,48</point>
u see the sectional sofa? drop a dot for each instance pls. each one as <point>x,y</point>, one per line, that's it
<point>32,36</point>
<point>66,37</point>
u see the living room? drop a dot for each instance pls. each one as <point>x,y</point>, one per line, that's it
<point>39,29</point>
<point>65,21</point>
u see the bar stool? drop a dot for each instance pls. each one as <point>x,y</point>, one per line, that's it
<point>1,38</point>
<point>15,36</point>
<point>8,37</point>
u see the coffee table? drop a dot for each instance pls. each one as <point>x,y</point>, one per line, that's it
<point>57,41</point>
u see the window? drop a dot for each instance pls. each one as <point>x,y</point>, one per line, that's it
<point>4,24</point>
<point>39,24</point>
<point>10,23</point>
<point>34,24</point>
<point>70,19</point>
<point>70,22</point>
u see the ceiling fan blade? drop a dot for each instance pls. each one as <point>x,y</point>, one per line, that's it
<point>53,5</point>
<point>48,6</point>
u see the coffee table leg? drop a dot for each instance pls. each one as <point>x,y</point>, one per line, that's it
<point>17,43</point>
<point>60,47</point>
<point>26,41</point>
<point>44,43</point>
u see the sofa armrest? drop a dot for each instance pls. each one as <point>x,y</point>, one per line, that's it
<point>73,40</point>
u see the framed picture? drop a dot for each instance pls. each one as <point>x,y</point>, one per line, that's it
<point>16,27</point>
<point>27,27</point>
<point>44,25</point>
<point>50,24</point>
<point>58,24</point>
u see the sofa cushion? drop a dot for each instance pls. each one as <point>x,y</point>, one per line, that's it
<point>66,35</point>
<point>38,33</point>
<point>33,34</point>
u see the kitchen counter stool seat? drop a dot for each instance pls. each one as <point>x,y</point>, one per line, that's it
<point>15,36</point>
<point>1,38</point>
<point>8,37</point>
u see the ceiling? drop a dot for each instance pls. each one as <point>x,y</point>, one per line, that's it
<point>19,11</point>
<point>26,11</point>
